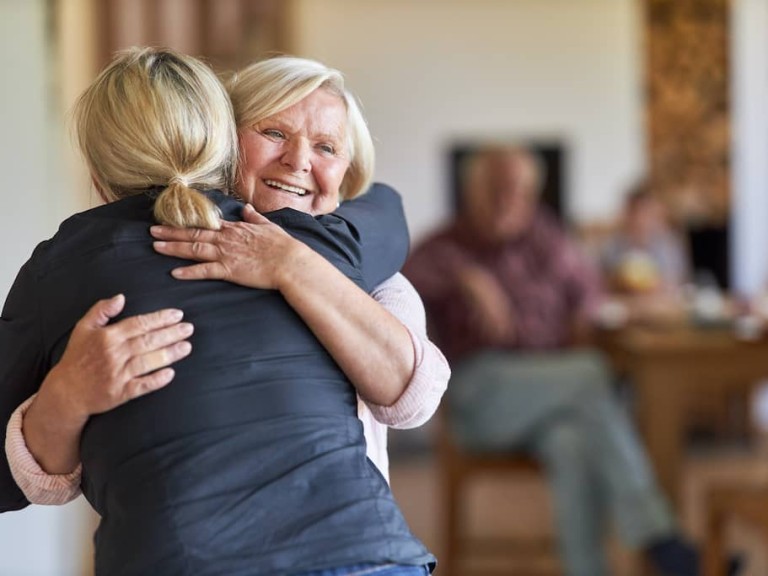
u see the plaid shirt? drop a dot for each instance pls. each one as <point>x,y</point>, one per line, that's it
<point>547,279</point>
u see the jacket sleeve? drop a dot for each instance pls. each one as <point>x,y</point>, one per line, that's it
<point>377,222</point>
<point>23,366</point>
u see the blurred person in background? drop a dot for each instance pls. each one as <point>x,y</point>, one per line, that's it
<point>511,300</point>
<point>301,141</point>
<point>645,262</point>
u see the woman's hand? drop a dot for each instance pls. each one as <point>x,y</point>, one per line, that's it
<point>255,253</point>
<point>102,367</point>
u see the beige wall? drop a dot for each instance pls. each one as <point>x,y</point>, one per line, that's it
<point>43,72</point>
<point>25,117</point>
<point>74,67</point>
<point>432,72</point>
<point>41,185</point>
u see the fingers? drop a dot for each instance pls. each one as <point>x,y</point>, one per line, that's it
<point>149,383</point>
<point>144,323</point>
<point>100,313</point>
<point>161,338</point>
<point>157,349</point>
<point>182,234</point>
<point>206,271</point>
<point>143,364</point>
<point>200,251</point>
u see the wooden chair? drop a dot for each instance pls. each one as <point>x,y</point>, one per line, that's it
<point>747,502</point>
<point>457,467</point>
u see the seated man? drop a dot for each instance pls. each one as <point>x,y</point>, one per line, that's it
<point>510,297</point>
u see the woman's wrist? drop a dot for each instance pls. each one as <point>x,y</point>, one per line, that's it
<point>57,397</point>
<point>292,267</point>
<point>52,426</point>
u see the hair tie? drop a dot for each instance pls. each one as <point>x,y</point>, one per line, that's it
<point>179,180</point>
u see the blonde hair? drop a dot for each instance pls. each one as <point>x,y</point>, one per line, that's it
<point>157,118</point>
<point>270,86</point>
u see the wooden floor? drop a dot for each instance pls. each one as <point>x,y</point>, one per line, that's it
<point>500,508</point>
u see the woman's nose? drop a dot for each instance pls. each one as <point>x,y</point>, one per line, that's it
<point>296,156</point>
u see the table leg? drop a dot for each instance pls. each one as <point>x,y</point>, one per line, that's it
<point>714,559</point>
<point>660,393</point>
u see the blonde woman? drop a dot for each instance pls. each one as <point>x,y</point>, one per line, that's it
<point>253,460</point>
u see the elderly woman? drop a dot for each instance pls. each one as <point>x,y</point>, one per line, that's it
<point>250,463</point>
<point>283,109</point>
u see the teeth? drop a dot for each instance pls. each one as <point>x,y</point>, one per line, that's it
<point>286,187</point>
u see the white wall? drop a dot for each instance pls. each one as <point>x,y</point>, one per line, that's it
<point>24,116</point>
<point>430,73</point>
<point>749,94</point>
<point>38,541</point>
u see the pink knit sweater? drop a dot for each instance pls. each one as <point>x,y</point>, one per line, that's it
<point>414,407</point>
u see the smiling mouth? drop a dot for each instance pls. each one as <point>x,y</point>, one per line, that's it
<point>285,187</point>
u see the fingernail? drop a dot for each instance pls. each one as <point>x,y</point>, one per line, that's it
<point>186,328</point>
<point>158,244</point>
<point>185,347</point>
<point>176,314</point>
<point>177,273</point>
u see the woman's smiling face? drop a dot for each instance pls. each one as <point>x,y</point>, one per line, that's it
<point>297,158</point>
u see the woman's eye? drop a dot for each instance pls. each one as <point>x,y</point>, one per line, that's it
<point>327,148</point>
<point>272,133</point>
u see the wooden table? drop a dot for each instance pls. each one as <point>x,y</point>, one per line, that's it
<point>669,368</point>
